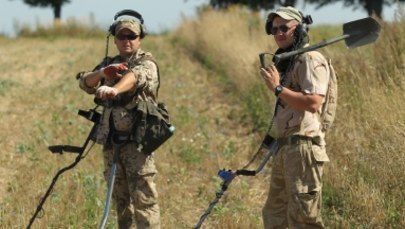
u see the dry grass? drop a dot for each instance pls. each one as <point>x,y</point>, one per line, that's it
<point>220,109</point>
<point>363,182</point>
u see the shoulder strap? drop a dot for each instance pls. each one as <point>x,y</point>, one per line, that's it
<point>329,109</point>
<point>144,57</point>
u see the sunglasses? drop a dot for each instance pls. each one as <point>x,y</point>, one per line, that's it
<point>123,37</point>
<point>282,28</point>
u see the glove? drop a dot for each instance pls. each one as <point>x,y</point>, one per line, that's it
<point>112,71</point>
<point>105,92</point>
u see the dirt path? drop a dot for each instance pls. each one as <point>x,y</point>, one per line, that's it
<point>210,135</point>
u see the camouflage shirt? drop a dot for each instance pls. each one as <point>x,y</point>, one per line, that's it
<point>119,109</point>
<point>310,75</point>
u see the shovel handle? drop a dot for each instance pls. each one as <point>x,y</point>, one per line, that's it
<point>282,56</point>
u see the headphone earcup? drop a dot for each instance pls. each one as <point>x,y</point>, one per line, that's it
<point>268,26</point>
<point>111,29</point>
<point>301,30</point>
<point>303,26</point>
<point>143,31</point>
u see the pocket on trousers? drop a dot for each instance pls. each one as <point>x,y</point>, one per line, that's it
<point>146,193</point>
<point>319,153</point>
<point>307,206</point>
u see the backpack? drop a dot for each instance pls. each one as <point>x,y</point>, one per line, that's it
<point>329,108</point>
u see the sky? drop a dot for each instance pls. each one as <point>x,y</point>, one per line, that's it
<point>159,15</point>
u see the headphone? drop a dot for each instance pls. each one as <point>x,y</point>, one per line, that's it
<point>132,15</point>
<point>301,29</point>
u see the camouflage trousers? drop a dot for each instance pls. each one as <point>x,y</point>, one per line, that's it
<point>134,191</point>
<point>294,199</point>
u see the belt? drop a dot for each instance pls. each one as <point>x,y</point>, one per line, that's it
<point>111,102</point>
<point>294,140</point>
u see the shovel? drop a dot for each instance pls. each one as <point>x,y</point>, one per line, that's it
<point>355,33</point>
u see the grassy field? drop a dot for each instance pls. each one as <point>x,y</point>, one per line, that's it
<point>221,110</point>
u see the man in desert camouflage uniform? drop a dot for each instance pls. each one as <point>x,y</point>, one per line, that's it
<point>300,84</point>
<point>118,83</point>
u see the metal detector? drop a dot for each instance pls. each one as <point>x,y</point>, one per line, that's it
<point>269,145</point>
<point>355,33</point>
<point>91,115</point>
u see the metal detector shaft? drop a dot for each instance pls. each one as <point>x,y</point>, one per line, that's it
<point>286,55</point>
<point>117,145</point>
<point>272,149</point>
<point>48,192</point>
<point>109,194</point>
<point>218,196</point>
<point>271,146</point>
<point>228,177</point>
<point>66,148</point>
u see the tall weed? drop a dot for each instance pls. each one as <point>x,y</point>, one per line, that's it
<point>363,185</point>
<point>220,107</point>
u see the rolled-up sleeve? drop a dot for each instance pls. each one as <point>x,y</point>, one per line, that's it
<point>316,71</point>
<point>147,75</point>
<point>83,85</point>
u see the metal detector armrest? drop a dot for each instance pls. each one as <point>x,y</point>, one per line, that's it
<point>91,115</point>
<point>245,172</point>
<point>65,148</point>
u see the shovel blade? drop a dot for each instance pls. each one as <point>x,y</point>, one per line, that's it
<point>361,32</point>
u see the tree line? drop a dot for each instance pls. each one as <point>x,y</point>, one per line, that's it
<point>372,7</point>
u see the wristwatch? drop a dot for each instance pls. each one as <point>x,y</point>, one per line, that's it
<point>278,90</point>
